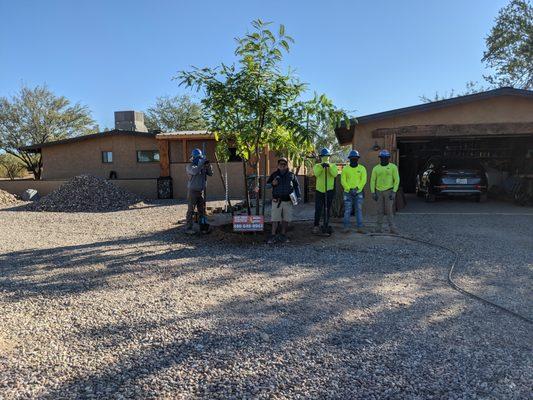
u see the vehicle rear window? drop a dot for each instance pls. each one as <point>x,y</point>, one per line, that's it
<point>460,163</point>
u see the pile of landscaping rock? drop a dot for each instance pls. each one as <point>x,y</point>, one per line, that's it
<point>86,193</point>
<point>7,199</point>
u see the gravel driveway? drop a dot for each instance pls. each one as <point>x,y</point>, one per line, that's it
<point>119,305</point>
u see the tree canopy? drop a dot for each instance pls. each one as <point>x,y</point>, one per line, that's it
<point>253,104</point>
<point>510,46</point>
<point>10,166</point>
<point>36,115</point>
<point>174,113</point>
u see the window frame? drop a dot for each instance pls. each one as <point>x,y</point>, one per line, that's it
<point>104,161</point>
<point>154,152</point>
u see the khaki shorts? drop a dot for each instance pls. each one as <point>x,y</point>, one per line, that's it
<point>283,212</point>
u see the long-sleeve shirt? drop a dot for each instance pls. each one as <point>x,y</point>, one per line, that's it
<point>197,174</point>
<point>384,178</point>
<point>320,175</point>
<point>353,178</point>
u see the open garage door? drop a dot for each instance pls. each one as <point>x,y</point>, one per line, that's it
<point>502,156</point>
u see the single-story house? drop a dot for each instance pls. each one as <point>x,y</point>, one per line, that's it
<point>495,127</point>
<point>139,160</point>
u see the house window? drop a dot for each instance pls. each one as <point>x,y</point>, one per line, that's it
<point>147,156</point>
<point>107,157</point>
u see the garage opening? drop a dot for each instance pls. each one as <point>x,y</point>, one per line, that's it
<point>502,157</point>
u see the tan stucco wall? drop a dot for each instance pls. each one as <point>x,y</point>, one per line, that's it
<point>496,110</point>
<point>19,186</point>
<point>146,188</point>
<point>64,161</point>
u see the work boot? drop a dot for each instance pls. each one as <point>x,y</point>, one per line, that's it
<point>284,238</point>
<point>346,230</point>
<point>361,231</point>
<point>316,230</point>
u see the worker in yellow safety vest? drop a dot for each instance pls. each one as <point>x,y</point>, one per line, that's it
<point>325,174</point>
<point>384,183</point>
<point>353,180</point>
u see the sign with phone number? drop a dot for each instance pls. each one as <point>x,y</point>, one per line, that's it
<point>248,223</point>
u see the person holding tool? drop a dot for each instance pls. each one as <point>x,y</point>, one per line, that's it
<point>353,180</point>
<point>325,174</point>
<point>285,192</point>
<point>384,184</point>
<point>197,172</point>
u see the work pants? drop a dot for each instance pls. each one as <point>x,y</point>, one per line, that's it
<point>385,205</point>
<point>320,198</point>
<point>195,199</point>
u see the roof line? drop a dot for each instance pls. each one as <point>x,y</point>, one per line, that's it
<point>504,91</point>
<point>114,132</point>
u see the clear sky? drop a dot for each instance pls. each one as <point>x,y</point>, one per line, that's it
<point>368,56</point>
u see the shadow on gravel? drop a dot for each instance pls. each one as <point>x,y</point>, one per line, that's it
<point>27,273</point>
<point>382,323</point>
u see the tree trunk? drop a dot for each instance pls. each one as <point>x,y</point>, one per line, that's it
<point>256,167</point>
<point>224,183</point>
<point>263,186</point>
<point>246,194</point>
<point>39,168</point>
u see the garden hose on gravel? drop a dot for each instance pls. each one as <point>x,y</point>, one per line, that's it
<point>450,273</point>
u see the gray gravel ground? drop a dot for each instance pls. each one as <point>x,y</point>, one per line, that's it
<point>119,305</point>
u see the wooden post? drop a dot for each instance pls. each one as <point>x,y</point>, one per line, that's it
<point>390,144</point>
<point>164,157</point>
<point>267,160</point>
<point>184,151</point>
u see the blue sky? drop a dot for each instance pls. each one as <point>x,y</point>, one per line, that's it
<point>368,56</point>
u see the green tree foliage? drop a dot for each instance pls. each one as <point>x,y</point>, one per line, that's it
<point>36,115</point>
<point>328,139</point>
<point>253,104</point>
<point>510,46</point>
<point>470,88</point>
<point>176,113</point>
<point>11,167</point>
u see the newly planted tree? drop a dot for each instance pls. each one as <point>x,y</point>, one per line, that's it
<point>253,104</point>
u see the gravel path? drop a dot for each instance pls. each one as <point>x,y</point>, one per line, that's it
<point>119,305</point>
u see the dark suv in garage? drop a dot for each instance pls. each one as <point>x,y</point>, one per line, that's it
<point>452,177</point>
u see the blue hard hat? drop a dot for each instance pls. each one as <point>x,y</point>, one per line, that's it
<point>384,154</point>
<point>324,152</point>
<point>354,153</point>
<point>196,153</point>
